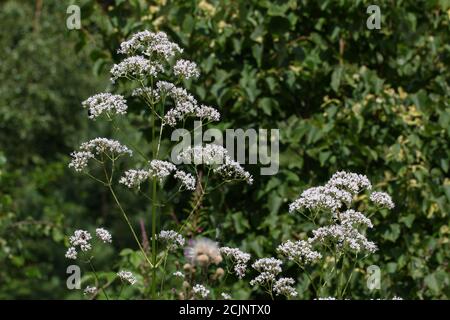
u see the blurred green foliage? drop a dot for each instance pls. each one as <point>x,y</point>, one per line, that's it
<point>344,98</point>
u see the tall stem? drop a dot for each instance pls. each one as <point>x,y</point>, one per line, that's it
<point>129,225</point>
<point>154,255</point>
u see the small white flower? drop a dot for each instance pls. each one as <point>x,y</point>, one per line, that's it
<point>186,69</point>
<point>81,238</point>
<point>225,296</point>
<point>150,44</point>
<point>173,239</point>
<point>90,290</point>
<point>284,287</point>
<point>200,290</point>
<point>161,169</point>
<point>136,67</point>
<point>269,265</point>
<point>71,253</point>
<point>127,276</point>
<point>103,235</point>
<point>352,182</point>
<point>105,102</point>
<point>178,274</point>
<point>382,199</point>
<point>133,178</point>
<point>187,180</point>
<point>80,160</point>
<point>238,258</point>
<point>300,251</point>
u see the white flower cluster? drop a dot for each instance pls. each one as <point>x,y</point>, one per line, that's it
<point>80,160</point>
<point>200,290</point>
<point>352,218</point>
<point>103,235</point>
<point>80,238</point>
<point>90,290</point>
<point>353,182</point>
<point>339,190</point>
<point>105,102</point>
<point>89,149</point>
<point>136,67</point>
<point>104,145</point>
<point>127,276</point>
<point>232,170</point>
<point>186,69</point>
<point>159,169</point>
<point>238,258</point>
<point>225,296</point>
<point>269,268</point>
<point>185,105</point>
<point>382,199</point>
<point>345,236</point>
<point>150,44</point>
<point>133,178</point>
<point>213,154</point>
<point>284,287</point>
<point>300,251</point>
<point>187,180</point>
<point>173,239</point>
<point>178,274</point>
<point>328,198</point>
<point>147,92</point>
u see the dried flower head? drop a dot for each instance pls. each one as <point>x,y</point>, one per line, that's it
<point>203,251</point>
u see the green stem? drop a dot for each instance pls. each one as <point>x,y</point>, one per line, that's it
<point>96,278</point>
<point>154,255</point>
<point>130,226</point>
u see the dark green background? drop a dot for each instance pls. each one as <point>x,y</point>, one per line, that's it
<point>344,98</point>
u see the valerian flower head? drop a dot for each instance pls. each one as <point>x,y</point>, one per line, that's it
<point>104,145</point>
<point>136,67</point>
<point>187,180</point>
<point>173,239</point>
<point>344,236</point>
<point>127,276</point>
<point>133,178</point>
<point>81,238</point>
<point>105,103</point>
<point>382,199</point>
<point>203,251</point>
<point>150,44</point>
<point>300,251</point>
<point>325,198</point>
<point>270,265</point>
<point>90,290</point>
<point>354,218</point>
<point>147,93</point>
<point>225,296</point>
<point>349,181</point>
<point>161,169</point>
<point>104,235</point>
<point>215,155</point>
<point>72,253</point>
<point>283,286</point>
<point>238,258</point>
<point>200,291</point>
<point>80,160</point>
<point>178,274</point>
<point>186,69</point>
